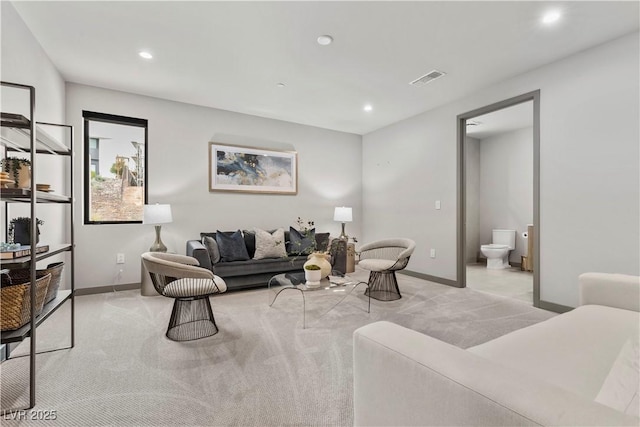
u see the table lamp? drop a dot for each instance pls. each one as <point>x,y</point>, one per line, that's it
<point>343,215</point>
<point>155,215</point>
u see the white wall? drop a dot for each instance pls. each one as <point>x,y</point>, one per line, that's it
<point>589,170</point>
<point>24,61</point>
<point>472,151</point>
<point>328,164</point>
<point>506,186</point>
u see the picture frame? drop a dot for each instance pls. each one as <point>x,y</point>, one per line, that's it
<point>245,169</point>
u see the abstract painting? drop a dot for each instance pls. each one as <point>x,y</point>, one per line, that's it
<point>252,170</point>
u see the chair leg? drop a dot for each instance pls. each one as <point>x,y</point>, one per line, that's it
<point>191,319</point>
<point>383,286</point>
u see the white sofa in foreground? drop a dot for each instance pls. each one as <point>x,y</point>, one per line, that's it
<point>579,368</point>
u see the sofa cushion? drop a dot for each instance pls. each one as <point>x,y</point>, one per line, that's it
<point>301,243</point>
<point>231,246</point>
<point>258,266</point>
<point>620,388</point>
<point>269,245</point>
<point>212,247</point>
<point>574,351</point>
<point>322,241</point>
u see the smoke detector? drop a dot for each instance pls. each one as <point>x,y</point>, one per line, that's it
<point>427,78</point>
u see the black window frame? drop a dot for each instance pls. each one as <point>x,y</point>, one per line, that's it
<point>92,116</point>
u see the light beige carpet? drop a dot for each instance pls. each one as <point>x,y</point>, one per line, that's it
<point>261,369</point>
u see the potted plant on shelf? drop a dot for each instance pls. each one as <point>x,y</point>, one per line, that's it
<point>19,171</point>
<point>312,274</point>
<point>20,230</point>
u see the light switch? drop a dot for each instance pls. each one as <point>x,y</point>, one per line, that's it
<point>432,253</point>
<point>437,204</point>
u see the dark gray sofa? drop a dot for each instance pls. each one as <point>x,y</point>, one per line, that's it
<point>253,272</point>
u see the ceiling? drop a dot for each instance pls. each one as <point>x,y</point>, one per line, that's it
<point>506,120</point>
<point>231,55</point>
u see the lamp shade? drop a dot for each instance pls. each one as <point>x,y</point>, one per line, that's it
<point>157,214</point>
<point>343,215</point>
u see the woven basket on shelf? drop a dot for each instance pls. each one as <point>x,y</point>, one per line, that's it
<point>15,302</point>
<point>55,270</point>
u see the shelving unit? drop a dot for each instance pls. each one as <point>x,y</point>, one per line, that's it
<point>23,134</point>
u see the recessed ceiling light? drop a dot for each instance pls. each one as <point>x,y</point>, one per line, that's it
<point>368,108</point>
<point>551,17</point>
<point>144,54</point>
<point>280,85</point>
<point>325,40</point>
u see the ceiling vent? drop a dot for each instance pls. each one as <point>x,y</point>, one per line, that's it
<point>427,78</point>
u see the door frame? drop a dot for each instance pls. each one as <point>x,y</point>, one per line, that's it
<point>461,122</point>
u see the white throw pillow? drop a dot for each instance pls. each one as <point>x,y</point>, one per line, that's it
<point>620,388</point>
<point>270,245</point>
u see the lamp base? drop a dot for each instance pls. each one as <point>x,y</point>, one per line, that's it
<point>158,246</point>
<point>343,235</point>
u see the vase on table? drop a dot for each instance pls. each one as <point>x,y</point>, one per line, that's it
<point>321,260</point>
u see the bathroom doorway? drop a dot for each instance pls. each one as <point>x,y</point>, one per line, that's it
<point>498,195</point>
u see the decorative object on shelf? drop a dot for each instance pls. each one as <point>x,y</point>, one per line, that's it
<point>252,170</point>
<point>23,275</point>
<point>20,230</point>
<point>313,275</point>
<point>343,215</point>
<point>43,187</point>
<point>18,170</point>
<point>5,180</point>
<point>155,215</point>
<point>15,301</point>
<point>320,259</point>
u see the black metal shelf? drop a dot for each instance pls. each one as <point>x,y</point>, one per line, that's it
<point>15,135</point>
<point>25,135</point>
<point>23,195</point>
<point>25,261</point>
<point>25,331</point>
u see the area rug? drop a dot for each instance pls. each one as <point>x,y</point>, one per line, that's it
<point>261,369</point>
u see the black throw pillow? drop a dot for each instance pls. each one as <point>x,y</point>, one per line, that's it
<point>301,243</point>
<point>231,246</point>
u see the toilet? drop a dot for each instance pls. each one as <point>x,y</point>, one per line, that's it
<point>497,253</point>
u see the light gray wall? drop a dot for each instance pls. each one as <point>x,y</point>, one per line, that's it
<point>473,198</point>
<point>24,61</point>
<point>328,163</point>
<point>589,170</point>
<point>506,186</point>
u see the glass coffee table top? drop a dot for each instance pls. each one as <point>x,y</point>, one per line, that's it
<point>332,291</point>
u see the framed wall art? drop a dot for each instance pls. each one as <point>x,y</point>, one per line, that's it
<point>252,170</point>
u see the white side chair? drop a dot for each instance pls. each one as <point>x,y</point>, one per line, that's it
<point>179,277</point>
<point>383,258</point>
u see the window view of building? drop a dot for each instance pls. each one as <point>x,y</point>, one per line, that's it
<point>115,168</point>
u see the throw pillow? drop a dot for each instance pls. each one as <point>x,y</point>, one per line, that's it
<point>250,242</point>
<point>301,243</point>
<point>269,245</point>
<point>620,388</point>
<point>212,247</point>
<point>322,241</point>
<point>231,246</point>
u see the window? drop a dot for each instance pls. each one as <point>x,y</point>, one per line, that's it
<point>115,168</point>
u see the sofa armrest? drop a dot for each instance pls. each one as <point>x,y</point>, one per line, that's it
<point>196,249</point>
<point>402,377</point>
<point>613,290</point>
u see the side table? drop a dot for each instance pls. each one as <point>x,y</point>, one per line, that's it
<point>344,259</point>
<point>146,285</point>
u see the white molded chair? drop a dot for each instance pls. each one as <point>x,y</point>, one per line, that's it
<point>383,258</point>
<point>179,277</point>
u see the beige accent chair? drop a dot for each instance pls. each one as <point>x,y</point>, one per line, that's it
<point>179,277</point>
<point>383,258</point>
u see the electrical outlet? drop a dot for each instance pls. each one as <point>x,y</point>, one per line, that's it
<point>433,253</point>
<point>438,204</point>
<point>120,259</point>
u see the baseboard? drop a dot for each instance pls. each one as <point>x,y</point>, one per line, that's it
<point>430,278</point>
<point>552,306</point>
<point>105,289</point>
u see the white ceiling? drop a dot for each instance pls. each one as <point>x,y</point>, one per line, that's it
<point>506,120</point>
<point>231,55</point>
